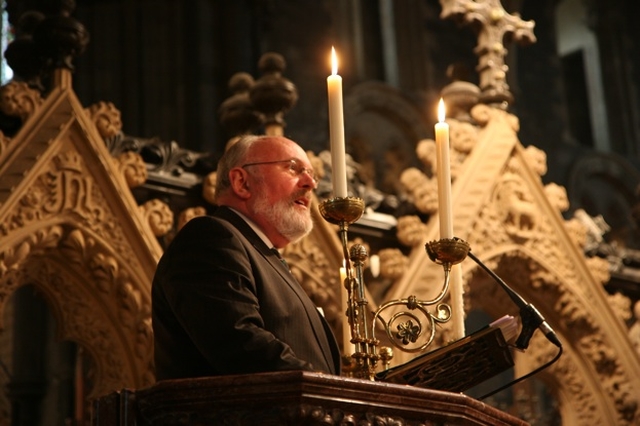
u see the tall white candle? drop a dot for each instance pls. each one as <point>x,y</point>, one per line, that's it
<point>336,130</point>
<point>443,174</point>
<point>445,214</point>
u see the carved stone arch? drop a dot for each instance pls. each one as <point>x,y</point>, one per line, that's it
<point>92,297</point>
<point>576,381</point>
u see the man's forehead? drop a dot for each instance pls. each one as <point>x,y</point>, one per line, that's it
<point>276,149</point>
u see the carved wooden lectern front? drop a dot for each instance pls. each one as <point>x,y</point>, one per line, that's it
<point>292,398</point>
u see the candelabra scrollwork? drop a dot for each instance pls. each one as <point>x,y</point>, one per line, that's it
<point>410,334</point>
<point>445,252</point>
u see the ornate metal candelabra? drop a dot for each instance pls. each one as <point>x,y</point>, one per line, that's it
<point>409,327</point>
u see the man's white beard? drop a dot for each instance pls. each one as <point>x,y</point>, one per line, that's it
<point>290,222</point>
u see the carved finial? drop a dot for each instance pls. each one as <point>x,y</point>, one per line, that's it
<point>46,40</point>
<point>237,114</point>
<point>60,39</point>
<point>493,25</point>
<point>273,95</point>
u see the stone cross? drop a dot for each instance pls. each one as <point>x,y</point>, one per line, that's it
<point>493,26</point>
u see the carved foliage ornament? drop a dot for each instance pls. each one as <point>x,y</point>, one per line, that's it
<point>18,100</point>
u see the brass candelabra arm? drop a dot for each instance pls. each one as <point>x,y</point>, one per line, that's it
<point>412,334</point>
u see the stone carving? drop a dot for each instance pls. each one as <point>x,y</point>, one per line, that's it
<point>209,187</point>
<point>107,119</point>
<point>159,216</point>
<point>536,159</point>
<point>392,263</point>
<point>17,99</point>
<point>515,207</point>
<point>411,231</point>
<point>188,214</point>
<point>557,196</point>
<point>133,168</point>
<point>422,189</point>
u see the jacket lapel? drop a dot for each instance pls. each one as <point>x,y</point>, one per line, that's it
<point>319,323</point>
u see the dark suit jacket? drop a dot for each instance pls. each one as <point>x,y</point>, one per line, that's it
<point>223,303</point>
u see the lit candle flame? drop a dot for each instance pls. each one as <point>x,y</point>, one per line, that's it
<point>441,111</point>
<point>334,61</point>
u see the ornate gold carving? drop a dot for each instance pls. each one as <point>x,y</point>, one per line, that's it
<point>393,263</point>
<point>133,168</point>
<point>557,196</point>
<point>536,159</point>
<point>411,231</point>
<point>426,152</point>
<point>514,206</point>
<point>188,214</point>
<point>464,136</point>
<point>17,99</point>
<point>107,119</point>
<point>158,215</point>
<point>209,187</point>
<point>65,188</point>
<point>423,190</point>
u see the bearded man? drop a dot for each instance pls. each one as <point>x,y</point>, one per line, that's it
<point>223,301</point>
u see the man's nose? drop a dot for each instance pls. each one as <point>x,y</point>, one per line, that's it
<point>307,179</point>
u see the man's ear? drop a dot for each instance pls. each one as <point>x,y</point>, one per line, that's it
<point>239,179</point>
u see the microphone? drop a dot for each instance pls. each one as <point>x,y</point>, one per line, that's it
<point>531,318</point>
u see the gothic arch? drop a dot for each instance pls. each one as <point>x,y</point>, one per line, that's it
<point>578,378</point>
<point>94,303</point>
<point>70,226</point>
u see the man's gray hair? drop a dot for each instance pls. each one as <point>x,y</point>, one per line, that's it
<point>234,156</point>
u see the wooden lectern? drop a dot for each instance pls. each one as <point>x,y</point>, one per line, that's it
<point>291,398</point>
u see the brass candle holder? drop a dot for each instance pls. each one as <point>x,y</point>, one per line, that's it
<point>409,327</point>
<point>344,211</point>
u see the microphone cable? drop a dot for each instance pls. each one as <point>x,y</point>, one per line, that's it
<point>526,376</point>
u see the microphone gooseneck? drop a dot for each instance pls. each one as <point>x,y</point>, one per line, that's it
<point>530,317</point>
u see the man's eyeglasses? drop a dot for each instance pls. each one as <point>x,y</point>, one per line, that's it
<point>295,167</point>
